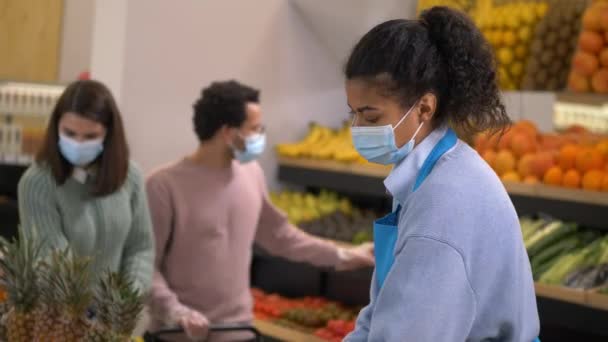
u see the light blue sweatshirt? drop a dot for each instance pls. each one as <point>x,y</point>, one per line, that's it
<point>461,272</point>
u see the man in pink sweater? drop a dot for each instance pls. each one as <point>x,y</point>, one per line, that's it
<point>209,208</point>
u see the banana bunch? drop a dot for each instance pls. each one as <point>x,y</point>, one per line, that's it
<point>323,143</point>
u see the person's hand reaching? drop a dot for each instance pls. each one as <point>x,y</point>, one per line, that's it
<point>356,257</point>
<point>194,324</point>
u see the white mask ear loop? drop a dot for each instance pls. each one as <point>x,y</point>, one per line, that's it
<point>405,116</point>
<point>354,123</point>
<point>417,130</point>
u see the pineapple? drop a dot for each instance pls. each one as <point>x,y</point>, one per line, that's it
<point>118,306</point>
<point>4,307</point>
<point>19,268</point>
<point>66,296</point>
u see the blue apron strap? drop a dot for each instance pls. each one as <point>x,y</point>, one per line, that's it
<point>445,144</point>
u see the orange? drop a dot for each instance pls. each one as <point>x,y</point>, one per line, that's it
<point>589,159</point>
<point>505,162</point>
<point>481,142</point>
<point>525,165</point>
<point>490,157</point>
<point>542,162</point>
<point>528,127</point>
<point>505,139</point>
<point>592,180</point>
<point>605,182</point>
<point>572,179</point>
<point>551,142</point>
<point>602,147</point>
<point>567,156</point>
<point>554,176</point>
<point>522,143</point>
<point>531,180</point>
<point>511,176</point>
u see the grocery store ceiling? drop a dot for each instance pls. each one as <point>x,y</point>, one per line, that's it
<point>339,23</point>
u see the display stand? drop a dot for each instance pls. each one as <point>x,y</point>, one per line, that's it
<point>570,309</point>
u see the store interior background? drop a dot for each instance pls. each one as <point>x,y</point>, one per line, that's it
<point>156,57</point>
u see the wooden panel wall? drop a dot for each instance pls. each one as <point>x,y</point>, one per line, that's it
<point>30,38</point>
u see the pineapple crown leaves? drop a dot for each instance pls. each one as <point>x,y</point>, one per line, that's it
<point>66,281</point>
<point>119,303</point>
<point>20,268</point>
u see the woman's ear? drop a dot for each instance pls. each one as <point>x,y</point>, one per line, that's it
<point>427,105</point>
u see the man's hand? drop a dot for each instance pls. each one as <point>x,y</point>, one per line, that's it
<point>356,257</point>
<point>195,324</point>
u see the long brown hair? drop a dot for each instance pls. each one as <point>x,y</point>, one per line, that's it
<point>94,101</point>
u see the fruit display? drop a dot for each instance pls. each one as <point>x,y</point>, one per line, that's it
<point>553,45</point>
<point>328,320</point>
<point>324,143</point>
<point>509,27</point>
<point>589,71</point>
<point>326,215</point>
<point>563,254</point>
<point>336,330</point>
<point>574,158</point>
<point>355,229</point>
<point>317,317</point>
<point>302,207</point>
<point>48,299</point>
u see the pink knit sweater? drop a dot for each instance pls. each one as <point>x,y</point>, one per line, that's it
<point>205,222</point>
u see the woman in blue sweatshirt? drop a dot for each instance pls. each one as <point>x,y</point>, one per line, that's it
<point>450,260</point>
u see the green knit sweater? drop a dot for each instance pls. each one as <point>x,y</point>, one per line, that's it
<point>115,230</point>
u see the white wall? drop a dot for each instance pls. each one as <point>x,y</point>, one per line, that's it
<point>156,56</point>
<point>77,33</point>
<point>171,52</point>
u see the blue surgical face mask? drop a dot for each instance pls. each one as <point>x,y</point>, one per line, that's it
<point>254,147</point>
<point>377,143</point>
<point>80,153</point>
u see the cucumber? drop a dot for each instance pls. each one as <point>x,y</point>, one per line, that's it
<point>564,245</point>
<point>549,229</point>
<point>551,238</point>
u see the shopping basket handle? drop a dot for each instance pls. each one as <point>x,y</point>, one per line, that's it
<point>220,327</point>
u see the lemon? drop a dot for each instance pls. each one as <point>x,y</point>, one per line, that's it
<point>512,22</point>
<point>505,56</point>
<point>525,33</point>
<point>541,9</point>
<point>521,51</point>
<point>528,16</point>
<point>517,69</point>
<point>503,75</point>
<point>509,38</point>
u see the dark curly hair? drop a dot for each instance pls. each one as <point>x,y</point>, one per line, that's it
<point>442,53</point>
<point>222,103</point>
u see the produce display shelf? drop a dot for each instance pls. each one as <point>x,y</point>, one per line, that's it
<point>284,333</point>
<point>561,293</point>
<point>587,208</point>
<point>539,190</point>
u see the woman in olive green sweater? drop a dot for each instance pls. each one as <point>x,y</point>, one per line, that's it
<point>83,192</point>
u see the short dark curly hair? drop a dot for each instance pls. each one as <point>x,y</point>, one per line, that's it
<point>442,53</point>
<point>222,103</point>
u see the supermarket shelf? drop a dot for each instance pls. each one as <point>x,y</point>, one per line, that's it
<point>352,178</point>
<point>558,193</point>
<point>587,208</point>
<point>283,333</point>
<point>583,98</point>
<point>369,170</point>
<point>561,293</point>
